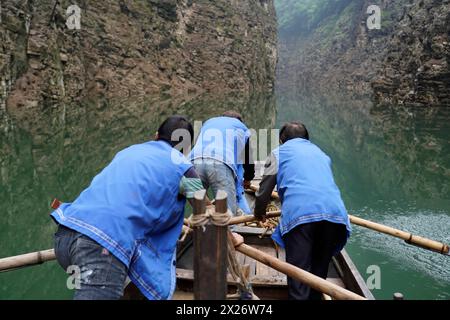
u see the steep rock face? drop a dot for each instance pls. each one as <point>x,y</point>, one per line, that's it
<point>127,48</point>
<point>416,66</point>
<point>406,62</point>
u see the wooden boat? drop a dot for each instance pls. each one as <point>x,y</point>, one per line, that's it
<point>267,283</point>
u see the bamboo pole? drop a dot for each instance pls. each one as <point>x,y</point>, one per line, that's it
<point>39,257</point>
<point>25,260</point>
<point>409,238</point>
<point>303,276</point>
<point>248,219</point>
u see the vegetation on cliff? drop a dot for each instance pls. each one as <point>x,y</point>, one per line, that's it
<point>302,16</point>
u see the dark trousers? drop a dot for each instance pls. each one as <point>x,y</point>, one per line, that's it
<point>95,274</point>
<point>311,247</point>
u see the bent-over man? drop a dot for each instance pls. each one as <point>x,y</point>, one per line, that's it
<point>314,225</point>
<point>127,222</point>
<point>222,157</point>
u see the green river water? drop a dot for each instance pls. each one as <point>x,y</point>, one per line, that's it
<point>392,165</point>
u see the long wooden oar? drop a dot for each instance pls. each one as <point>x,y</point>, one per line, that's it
<point>303,276</point>
<point>36,258</point>
<point>409,238</point>
<point>26,260</point>
<point>406,236</point>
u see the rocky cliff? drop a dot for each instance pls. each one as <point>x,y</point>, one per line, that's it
<point>125,48</point>
<point>328,46</point>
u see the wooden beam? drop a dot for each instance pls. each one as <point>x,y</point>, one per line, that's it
<point>210,252</point>
<point>251,218</point>
<point>221,202</point>
<point>199,202</point>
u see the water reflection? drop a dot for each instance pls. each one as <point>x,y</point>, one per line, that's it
<point>388,153</point>
<point>52,151</point>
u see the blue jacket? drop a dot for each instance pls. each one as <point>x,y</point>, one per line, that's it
<point>224,139</point>
<point>306,187</point>
<point>132,209</point>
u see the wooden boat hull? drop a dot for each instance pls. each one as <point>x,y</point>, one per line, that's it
<point>267,284</point>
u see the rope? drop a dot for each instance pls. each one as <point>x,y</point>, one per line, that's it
<point>216,218</point>
<point>184,233</point>
<point>235,269</point>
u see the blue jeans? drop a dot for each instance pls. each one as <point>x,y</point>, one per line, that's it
<point>218,176</point>
<point>95,273</point>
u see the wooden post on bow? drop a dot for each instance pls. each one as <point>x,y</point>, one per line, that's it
<point>210,252</point>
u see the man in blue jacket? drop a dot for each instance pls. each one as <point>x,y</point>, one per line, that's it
<point>314,225</point>
<point>223,159</point>
<point>127,222</point>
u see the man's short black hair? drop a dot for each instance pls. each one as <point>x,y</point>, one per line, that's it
<point>293,130</point>
<point>233,114</point>
<point>170,125</point>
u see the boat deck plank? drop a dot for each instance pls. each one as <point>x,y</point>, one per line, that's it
<point>261,269</point>
<point>241,258</point>
<point>252,263</point>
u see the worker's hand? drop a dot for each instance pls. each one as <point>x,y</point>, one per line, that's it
<point>247,184</point>
<point>237,239</point>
